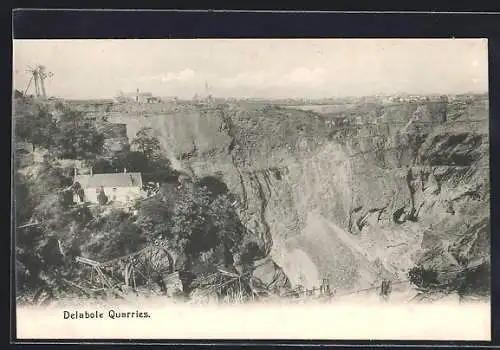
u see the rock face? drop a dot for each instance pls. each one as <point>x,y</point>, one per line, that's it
<point>271,277</point>
<point>357,203</point>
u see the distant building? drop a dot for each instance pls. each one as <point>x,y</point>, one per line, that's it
<point>153,99</point>
<point>142,97</point>
<point>123,99</point>
<point>138,97</point>
<point>170,99</point>
<point>118,187</point>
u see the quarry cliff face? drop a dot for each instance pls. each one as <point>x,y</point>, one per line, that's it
<point>355,203</point>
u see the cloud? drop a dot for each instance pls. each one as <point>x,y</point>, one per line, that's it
<point>186,74</point>
<point>299,77</point>
<point>305,76</point>
<point>247,79</point>
<point>181,76</point>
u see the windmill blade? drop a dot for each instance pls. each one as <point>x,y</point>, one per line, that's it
<point>47,75</point>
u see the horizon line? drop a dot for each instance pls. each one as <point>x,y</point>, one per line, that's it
<point>397,94</point>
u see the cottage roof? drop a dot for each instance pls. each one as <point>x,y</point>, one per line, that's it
<point>110,180</point>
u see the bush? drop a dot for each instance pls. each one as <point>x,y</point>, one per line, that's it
<point>422,278</point>
<point>194,221</point>
<point>156,169</point>
<point>204,221</point>
<point>101,165</point>
<point>115,235</point>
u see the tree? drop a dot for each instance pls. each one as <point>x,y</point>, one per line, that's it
<point>76,137</point>
<point>37,247</point>
<point>194,221</point>
<point>23,204</point>
<point>204,221</point>
<point>156,169</point>
<point>101,165</point>
<point>132,161</point>
<point>146,143</point>
<point>37,128</point>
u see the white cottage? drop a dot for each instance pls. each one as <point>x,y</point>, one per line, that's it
<point>118,187</point>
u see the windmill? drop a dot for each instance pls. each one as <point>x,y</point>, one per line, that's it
<point>38,76</point>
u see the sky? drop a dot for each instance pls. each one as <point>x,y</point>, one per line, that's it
<point>266,68</point>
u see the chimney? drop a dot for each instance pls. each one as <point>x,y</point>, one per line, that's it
<point>91,172</point>
<point>124,170</point>
<point>75,172</point>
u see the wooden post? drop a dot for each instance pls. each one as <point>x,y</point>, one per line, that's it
<point>100,277</point>
<point>239,285</point>
<point>133,278</point>
<point>126,274</point>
